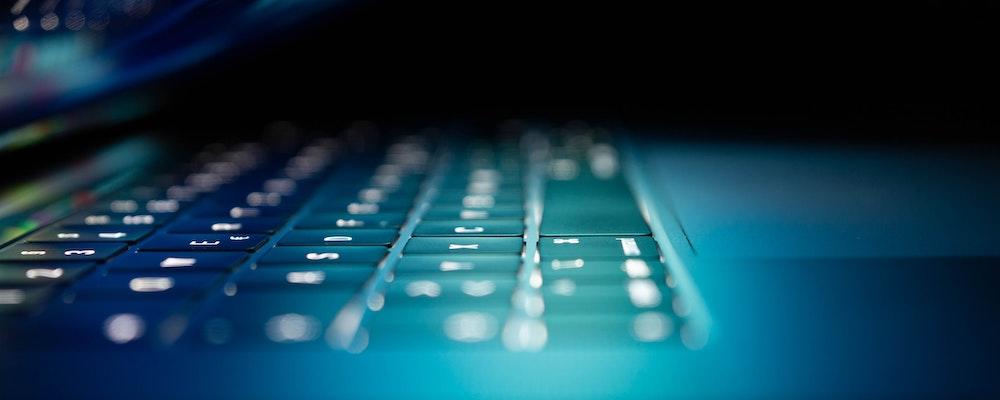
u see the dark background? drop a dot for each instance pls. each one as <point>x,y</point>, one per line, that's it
<point>898,73</point>
<point>910,71</point>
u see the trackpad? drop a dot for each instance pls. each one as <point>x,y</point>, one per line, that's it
<point>739,200</point>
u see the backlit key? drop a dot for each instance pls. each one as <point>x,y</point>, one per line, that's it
<point>226,225</point>
<point>344,221</point>
<point>324,255</point>
<point>204,242</point>
<point>470,228</point>
<point>597,247</point>
<point>177,261</point>
<point>339,237</point>
<point>464,245</point>
<point>90,234</point>
<point>60,252</point>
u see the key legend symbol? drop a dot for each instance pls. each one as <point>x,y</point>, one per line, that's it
<point>349,223</point>
<point>423,288</point>
<point>629,247</point>
<point>473,214</point>
<point>80,252</point>
<point>47,273</point>
<point>322,256</point>
<point>151,284</point>
<point>478,288</point>
<point>306,277</point>
<point>111,235</point>
<point>143,219</point>
<point>567,264</point>
<point>453,246</point>
<point>178,262</point>
<point>462,229</point>
<point>97,220</point>
<point>64,235</point>
<point>205,243</point>
<point>566,241</point>
<point>447,266</point>
<point>226,227</point>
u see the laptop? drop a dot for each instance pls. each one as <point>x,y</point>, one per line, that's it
<point>251,199</point>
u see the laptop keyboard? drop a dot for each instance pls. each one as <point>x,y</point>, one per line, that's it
<point>520,243</point>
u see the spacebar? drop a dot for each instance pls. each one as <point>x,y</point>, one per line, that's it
<point>587,206</point>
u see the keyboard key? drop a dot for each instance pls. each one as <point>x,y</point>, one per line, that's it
<point>292,278</point>
<point>482,187</point>
<point>255,318</point>
<point>588,247</point>
<point>339,237</point>
<point>114,219</point>
<point>264,199</point>
<point>177,261</point>
<point>103,323</point>
<point>597,270</point>
<point>22,300</point>
<point>36,274</point>
<point>478,200</point>
<point>324,255</point>
<point>241,212</point>
<point>466,228</point>
<point>90,234</point>
<point>260,295</point>
<point>340,221</point>
<point>204,242</point>
<point>568,296</point>
<point>443,328</point>
<point>356,207</point>
<point>607,204</point>
<point>135,285</point>
<point>464,245</point>
<point>60,252</point>
<point>439,212</point>
<point>444,290</point>
<point>637,330</point>
<point>486,263</point>
<point>226,225</point>
<point>143,206</point>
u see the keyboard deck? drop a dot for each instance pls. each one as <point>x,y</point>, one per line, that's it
<point>519,243</point>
